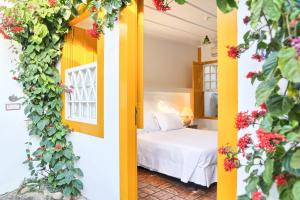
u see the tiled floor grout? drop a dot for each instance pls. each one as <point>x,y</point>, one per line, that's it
<point>155,186</point>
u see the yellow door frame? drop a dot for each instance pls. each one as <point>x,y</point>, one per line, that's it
<point>131,96</point>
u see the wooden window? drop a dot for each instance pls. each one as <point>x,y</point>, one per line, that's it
<point>82,68</point>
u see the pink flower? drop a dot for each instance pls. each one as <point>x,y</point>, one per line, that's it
<point>269,140</point>
<point>230,164</point>
<point>94,31</point>
<point>161,6</point>
<point>293,22</point>
<point>233,52</point>
<point>250,74</point>
<point>263,106</point>
<point>257,114</point>
<point>280,180</point>
<point>58,147</point>
<point>17,29</point>
<point>243,142</point>
<point>243,120</point>
<point>52,3</point>
<point>15,78</point>
<point>256,196</point>
<point>223,150</point>
<point>257,57</point>
<point>246,20</point>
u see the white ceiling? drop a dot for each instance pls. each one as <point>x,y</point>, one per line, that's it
<point>188,23</point>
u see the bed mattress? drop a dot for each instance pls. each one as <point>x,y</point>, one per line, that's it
<point>183,153</point>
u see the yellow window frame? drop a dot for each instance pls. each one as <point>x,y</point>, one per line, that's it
<point>80,49</point>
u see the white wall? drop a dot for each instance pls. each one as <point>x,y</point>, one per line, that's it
<point>13,134</point>
<point>99,157</point>
<point>168,64</point>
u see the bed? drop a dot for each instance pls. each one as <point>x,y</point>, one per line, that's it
<point>187,154</point>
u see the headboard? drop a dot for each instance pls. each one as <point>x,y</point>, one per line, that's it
<point>166,101</point>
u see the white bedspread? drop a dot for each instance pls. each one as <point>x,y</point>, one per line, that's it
<point>179,152</point>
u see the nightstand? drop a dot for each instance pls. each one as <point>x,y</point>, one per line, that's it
<point>193,126</point>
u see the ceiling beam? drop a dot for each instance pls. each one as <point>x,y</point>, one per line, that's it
<point>201,9</point>
<point>184,20</point>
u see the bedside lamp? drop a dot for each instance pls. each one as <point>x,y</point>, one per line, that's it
<point>187,115</point>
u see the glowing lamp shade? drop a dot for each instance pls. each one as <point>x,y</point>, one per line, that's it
<point>187,115</point>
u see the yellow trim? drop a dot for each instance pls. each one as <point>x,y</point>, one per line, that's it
<point>128,100</point>
<point>227,70</point>
<point>140,86</point>
<point>80,49</point>
<point>228,100</point>
<point>80,18</point>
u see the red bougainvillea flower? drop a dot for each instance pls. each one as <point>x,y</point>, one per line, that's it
<point>250,74</point>
<point>230,164</point>
<point>94,31</point>
<point>263,106</point>
<point>293,22</point>
<point>93,9</point>
<point>17,29</point>
<point>246,20</point>
<point>233,52</point>
<point>15,78</point>
<point>268,140</point>
<point>243,142</point>
<point>256,196</point>
<point>257,57</point>
<point>52,3</point>
<point>243,120</point>
<point>223,150</point>
<point>257,114</point>
<point>160,5</point>
<point>58,146</point>
<point>280,180</point>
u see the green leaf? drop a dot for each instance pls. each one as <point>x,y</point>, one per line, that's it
<point>252,184</point>
<point>268,172</point>
<point>289,65</point>
<point>264,90</point>
<point>291,162</point>
<point>180,2</point>
<point>296,190</point>
<point>256,9</point>
<point>272,10</point>
<point>244,197</point>
<point>293,136</point>
<point>67,191</point>
<point>68,153</point>
<point>47,157</point>
<point>78,184</point>
<point>270,64</point>
<point>58,166</point>
<point>226,5</point>
<point>42,124</point>
<point>279,105</point>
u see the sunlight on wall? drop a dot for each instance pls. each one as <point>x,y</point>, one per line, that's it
<point>166,108</point>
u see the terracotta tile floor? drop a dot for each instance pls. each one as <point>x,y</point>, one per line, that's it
<point>155,186</point>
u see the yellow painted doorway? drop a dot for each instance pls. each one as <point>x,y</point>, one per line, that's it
<point>131,97</point>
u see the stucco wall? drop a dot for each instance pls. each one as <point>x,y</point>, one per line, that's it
<point>99,157</point>
<point>168,64</point>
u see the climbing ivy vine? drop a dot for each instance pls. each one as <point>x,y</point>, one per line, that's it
<point>39,27</point>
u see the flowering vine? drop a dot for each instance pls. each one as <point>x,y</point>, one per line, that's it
<point>39,27</point>
<point>270,154</point>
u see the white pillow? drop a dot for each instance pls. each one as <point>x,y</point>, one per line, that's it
<point>169,121</point>
<point>150,122</point>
